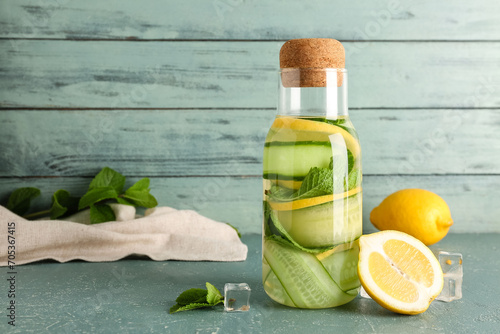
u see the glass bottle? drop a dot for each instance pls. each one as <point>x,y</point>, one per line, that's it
<point>312,182</point>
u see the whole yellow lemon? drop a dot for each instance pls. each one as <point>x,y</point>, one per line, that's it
<point>417,212</point>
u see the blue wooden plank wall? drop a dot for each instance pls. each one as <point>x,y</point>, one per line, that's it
<point>183,92</point>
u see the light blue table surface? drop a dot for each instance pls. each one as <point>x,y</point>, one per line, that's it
<point>134,295</point>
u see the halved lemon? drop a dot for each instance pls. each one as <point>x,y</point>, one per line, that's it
<point>399,272</point>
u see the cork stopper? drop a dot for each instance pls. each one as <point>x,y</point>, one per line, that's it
<point>312,56</point>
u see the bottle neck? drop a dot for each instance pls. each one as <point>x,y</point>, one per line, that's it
<point>313,92</point>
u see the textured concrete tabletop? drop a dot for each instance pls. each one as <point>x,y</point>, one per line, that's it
<point>133,296</point>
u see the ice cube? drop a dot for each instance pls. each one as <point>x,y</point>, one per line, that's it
<point>451,264</point>
<point>363,293</point>
<point>236,297</point>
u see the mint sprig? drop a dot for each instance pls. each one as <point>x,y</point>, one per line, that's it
<point>63,204</point>
<point>322,181</point>
<point>108,178</point>
<point>139,194</point>
<point>197,298</point>
<point>20,199</point>
<point>106,187</point>
<point>101,213</point>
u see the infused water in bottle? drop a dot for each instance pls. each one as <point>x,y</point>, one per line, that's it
<point>312,182</point>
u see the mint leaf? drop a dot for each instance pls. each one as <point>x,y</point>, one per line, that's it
<point>214,296</point>
<point>197,298</point>
<point>337,121</point>
<point>141,198</point>
<point>108,177</point>
<point>281,193</point>
<point>355,179</point>
<point>96,195</point>
<point>139,194</point>
<point>20,200</point>
<point>318,181</point>
<point>192,296</point>
<point>350,160</point>
<point>179,308</point>
<point>101,213</point>
<point>267,218</point>
<point>142,184</point>
<point>124,201</point>
<point>238,232</point>
<point>63,204</point>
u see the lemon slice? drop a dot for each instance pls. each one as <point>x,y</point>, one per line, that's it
<point>314,126</point>
<point>307,202</point>
<point>399,272</point>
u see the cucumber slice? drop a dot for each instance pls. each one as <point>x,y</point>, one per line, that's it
<point>290,135</point>
<point>303,277</point>
<point>273,286</point>
<point>325,224</point>
<point>343,267</point>
<point>293,160</point>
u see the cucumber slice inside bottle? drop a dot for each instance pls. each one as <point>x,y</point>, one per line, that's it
<point>292,161</point>
<point>303,277</point>
<point>274,288</point>
<point>343,267</point>
<point>325,224</point>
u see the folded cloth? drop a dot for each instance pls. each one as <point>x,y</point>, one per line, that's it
<point>163,233</point>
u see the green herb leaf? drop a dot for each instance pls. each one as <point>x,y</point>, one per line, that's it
<point>141,198</point>
<point>319,181</point>
<point>121,200</point>
<point>106,185</point>
<point>192,296</point>
<point>63,204</point>
<point>101,213</point>
<point>179,308</point>
<point>139,194</point>
<point>20,200</point>
<point>108,177</point>
<point>239,234</point>
<point>267,218</point>
<point>214,296</point>
<point>197,298</point>
<point>142,184</point>
<point>350,160</point>
<point>96,195</point>
<point>355,179</point>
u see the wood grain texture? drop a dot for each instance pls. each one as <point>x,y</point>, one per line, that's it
<point>473,200</point>
<point>189,90</point>
<point>104,74</point>
<point>262,20</point>
<point>230,142</point>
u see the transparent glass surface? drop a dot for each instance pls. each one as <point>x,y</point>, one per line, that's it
<point>236,297</point>
<point>451,263</point>
<point>312,201</point>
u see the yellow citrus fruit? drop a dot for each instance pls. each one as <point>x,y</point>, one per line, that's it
<point>418,212</point>
<point>399,272</point>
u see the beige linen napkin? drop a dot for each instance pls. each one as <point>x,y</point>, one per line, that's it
<point>161,234</point>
